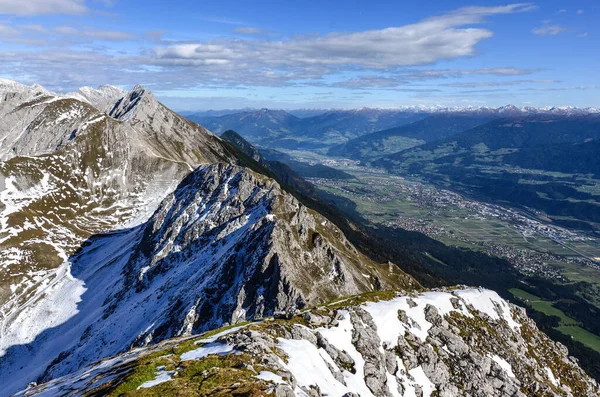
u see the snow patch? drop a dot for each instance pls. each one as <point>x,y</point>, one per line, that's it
<point>206,350</point>
<point>490,303</point>
<point>504,364</point>
<point>162,376</point>
<point>271,377</point>
<point>308,366</point>
<point>53,304</point>
<point>421,379</point>
<point>552,378</point>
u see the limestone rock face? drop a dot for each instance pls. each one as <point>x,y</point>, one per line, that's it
<point>227,246</point>
<point>477,345</point>
<point>71,171</point>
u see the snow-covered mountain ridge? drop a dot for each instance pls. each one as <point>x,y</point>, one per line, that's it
<point>71,171</point>
<point>228,245</point>
<point>447,343</point>
<point>501,111</point>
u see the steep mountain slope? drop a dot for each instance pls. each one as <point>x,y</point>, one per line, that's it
<point>108,174</point>
<point>256,126</point>
<point>506,160</point>
<point>393,140</point>
<point>579,158</point>
<point>227,246</point>
<point>438,343</point>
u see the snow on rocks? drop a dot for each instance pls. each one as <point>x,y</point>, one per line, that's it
<point>349,353</point>
<point>504,364</point>
<point>369,334</point>
<point>270,376</point>
<point>490,303</point>
<point>310,367</point>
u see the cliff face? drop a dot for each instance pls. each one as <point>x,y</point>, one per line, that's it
<point>465,342</point>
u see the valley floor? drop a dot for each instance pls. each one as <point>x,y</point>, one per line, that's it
<point>525,238</point>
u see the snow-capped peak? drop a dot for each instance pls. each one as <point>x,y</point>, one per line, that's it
<point>103,98</point>
<point>8,86</point>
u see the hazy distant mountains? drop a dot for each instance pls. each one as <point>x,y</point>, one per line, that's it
<point>430,129</point>
<point>323,129</point>
<point>280,129</point>
<point>509,154</point>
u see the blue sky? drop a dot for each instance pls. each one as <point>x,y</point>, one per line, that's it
<point>230,54</point>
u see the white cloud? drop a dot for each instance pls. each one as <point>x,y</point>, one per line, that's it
<point>579,12</point>
<point>34,28</point>
<point>449,73</point>
<point>575,88</point>
<point>66,30</point>
<point>387,55</point>
<point>586,34</point>
<point>42,7</point>
<point>409,76</point>
<point>248,30</point>
<point>93,34</point>
<point>110,35</point>
<point>549,30</point>
<point>495,83</point>
<point>444,37</point>
<point>8,31</point>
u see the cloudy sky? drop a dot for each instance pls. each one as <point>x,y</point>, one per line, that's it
<point>230,54</point>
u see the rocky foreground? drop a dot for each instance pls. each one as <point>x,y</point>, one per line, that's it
<point>464,342</point>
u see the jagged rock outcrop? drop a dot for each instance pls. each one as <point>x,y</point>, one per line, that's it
<point>274,254</point>
<point>228,245</point>
<point>446,343</point>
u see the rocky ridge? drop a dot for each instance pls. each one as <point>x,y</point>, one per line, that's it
<point>71,171</point>
<point>94,264</point>
<point>227,246</point>
<point>464,342</point>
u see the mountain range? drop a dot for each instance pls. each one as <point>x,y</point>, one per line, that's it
<point>327,128</point>
<point>126,228</point>
<point>513,160</point>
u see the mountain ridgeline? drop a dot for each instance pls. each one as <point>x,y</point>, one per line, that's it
<point>279,129</point>
<point>97,236</point>
<point>372,146</point>
<point>126,229</point>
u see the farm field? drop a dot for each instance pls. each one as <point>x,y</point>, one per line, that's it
<point>568,326</point>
